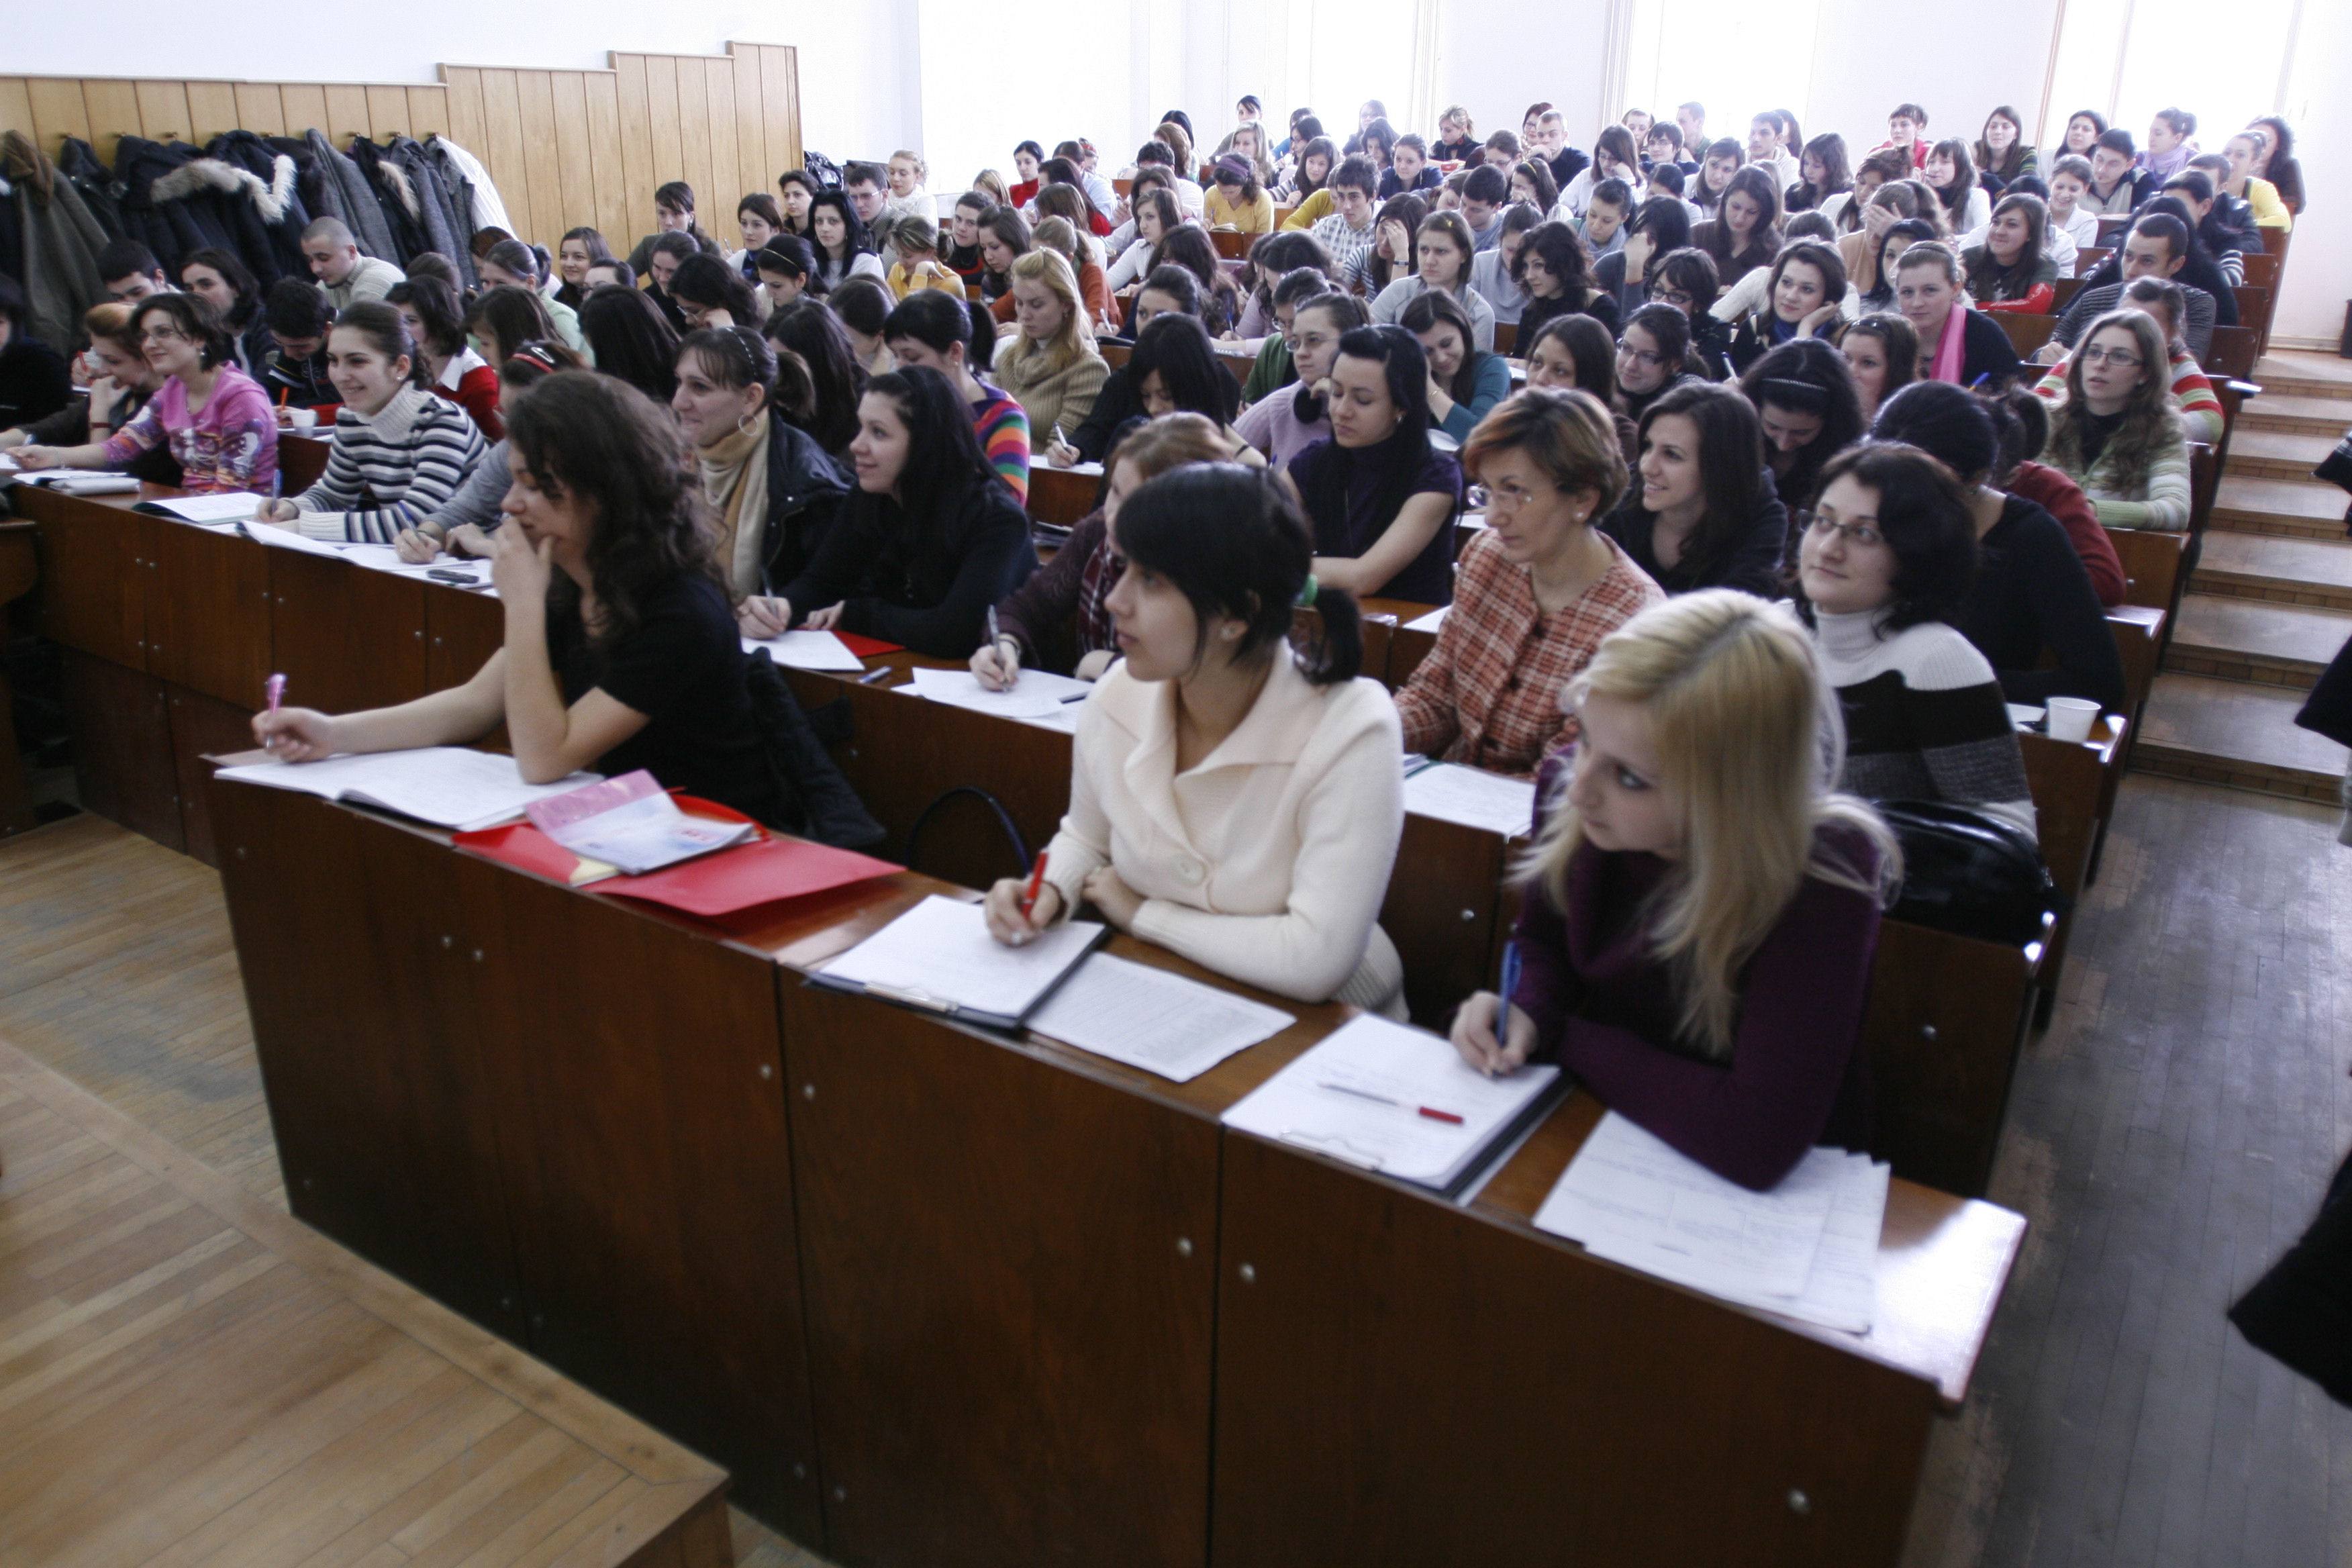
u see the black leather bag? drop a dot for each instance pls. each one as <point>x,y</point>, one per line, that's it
<point>1968,872</point>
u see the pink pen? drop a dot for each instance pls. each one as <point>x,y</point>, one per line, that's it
<point>273,690</point>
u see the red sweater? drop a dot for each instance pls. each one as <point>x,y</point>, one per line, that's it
<point>476,393</point>
<point>2062,498</point>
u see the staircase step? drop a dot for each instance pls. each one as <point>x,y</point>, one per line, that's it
<point>2282,570</point>
<point>2246,639</point>
<point>2227,733</point>
<point>2328,416</point>
<point>2300,507</point>
<point>2300,372</point>
<point>2278,454</point>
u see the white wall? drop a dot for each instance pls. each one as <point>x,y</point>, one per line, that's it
<point>1974,68</point>
<point>858,81</point>
<point>1497,56</point>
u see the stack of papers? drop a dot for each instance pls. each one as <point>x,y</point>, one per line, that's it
<point>1452,792</point>
<point>286,536</point>
<point>82,482</point>
<point>1807,1250</point>
<point>939,955</point>
<point>230,506</point>
<point>631,824</point>
<point>1151,1019</point>
<point>1398,1100</point>
<point>807,650</point>
<point>1037,695</point>
<point>449,786</point>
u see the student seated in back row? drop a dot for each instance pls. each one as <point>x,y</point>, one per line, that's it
<point>621,648</point>
<point>121,388</point>
<point>1701,909</point>
<point>1233,800</point>
<point>1541,585</point>
<point>463,524</point>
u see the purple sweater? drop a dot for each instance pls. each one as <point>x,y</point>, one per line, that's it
<point>1605,1009</point>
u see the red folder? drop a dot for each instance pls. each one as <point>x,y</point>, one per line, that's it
<point>868,647</point>
<point>761,872</point>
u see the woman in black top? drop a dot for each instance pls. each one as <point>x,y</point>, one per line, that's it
<point>1659,226</point>
<point>1173,370</point>
<point>1745,232</point>
<point>928,540</point>
<point>1703,513</point>
<point>1555,272</point>
<point>809,329</point>
<point>1805,399</point>
<point>1381,498</point>
<point>621,646</point>
<point>2030,591</point>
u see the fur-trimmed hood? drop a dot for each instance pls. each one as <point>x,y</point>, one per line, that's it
<point>396,180</point>
<point>198,175</point>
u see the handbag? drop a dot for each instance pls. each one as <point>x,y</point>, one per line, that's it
<point>1970,873</point>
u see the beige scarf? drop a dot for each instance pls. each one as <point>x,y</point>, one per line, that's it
<point>735,478</point>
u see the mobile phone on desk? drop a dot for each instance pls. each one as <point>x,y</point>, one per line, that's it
<point>451,574</point>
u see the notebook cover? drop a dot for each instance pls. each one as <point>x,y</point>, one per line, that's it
<point>868,647</point>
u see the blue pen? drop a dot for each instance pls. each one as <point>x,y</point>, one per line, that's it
<point>1510,989</point>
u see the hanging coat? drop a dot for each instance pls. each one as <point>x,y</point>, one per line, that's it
<point>360,213</point>
<point>488,209</point>
<point>61,244</point>
<point>395,198</point>
<point>170,227</point>
<point>310,183</point>
<point>443,230</point>
<point>272,215</point>
<point>93,182</point>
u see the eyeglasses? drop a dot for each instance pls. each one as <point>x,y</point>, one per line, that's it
<point>1645,357</point>
<point>1511,497</point>
<point>1674,297</point>
<point>2122,359</point>
<point>1857,533</point>
<point>163,335</point>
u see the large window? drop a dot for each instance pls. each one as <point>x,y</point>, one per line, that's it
<point>2127,59</point>
<point>1733,57</point>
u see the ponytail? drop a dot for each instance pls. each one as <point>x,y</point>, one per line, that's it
<point>1338,653</point>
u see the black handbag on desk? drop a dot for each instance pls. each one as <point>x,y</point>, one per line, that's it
<point>1970,873</point>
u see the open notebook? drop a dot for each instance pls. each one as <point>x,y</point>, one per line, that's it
<point>940,956</point>
<point>449,786</point>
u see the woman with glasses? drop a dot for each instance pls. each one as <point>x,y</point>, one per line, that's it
<point>213,417</point>
<point>1882,572</point>
<point>1538,588</point>
<point>1651,355</point>
<point>1289,420</point>
<point>2117,434</point>
<point>1702,512</point>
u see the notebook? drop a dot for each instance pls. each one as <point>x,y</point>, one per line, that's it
<point>1154,1019</point>
<point>234,506</point>
<point>939,955</point>
<point>1398,1100</point>
<point>631,824</point>
<point>1452,792</point>
<point>449,786</point>
<point>807,650</point>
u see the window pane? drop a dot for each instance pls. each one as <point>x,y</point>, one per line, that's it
<point>2183,54</point>
<point>1733,57</point>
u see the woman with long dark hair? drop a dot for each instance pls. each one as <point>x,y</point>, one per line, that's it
<point>1466,381</point>
<point>1702,512</point>
<point>1745,232</point>
<point>221,279</point>
<point>1556,271</point>
<point>927,541</point>
<point>1951,174</point>
<point>1806,404</point>
<point>844,248</point>
<point>815,335</point>
<point>1291,848</point>
<point>1380,497</point>
<point>2011,270</point>
<point>1803,299</point>
<point>450,367</point>
<point>630,338</point>
<point>2001,152</point>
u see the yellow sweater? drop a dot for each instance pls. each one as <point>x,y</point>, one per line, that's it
<point>1250,217</point>
<point>902,283</point>
<point>1311,211</point>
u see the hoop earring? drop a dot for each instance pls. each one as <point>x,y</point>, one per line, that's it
<point>743,424</point>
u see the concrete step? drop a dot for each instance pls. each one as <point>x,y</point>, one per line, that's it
<point>2315,572</point>
<point>2247,639</point>
<point>2277,454</point>
<point>2298,413</point>
<point>2301,374</point>
<point>2300,507</point>
<point>2228,732</point>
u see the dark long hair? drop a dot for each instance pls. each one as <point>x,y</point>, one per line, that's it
<point>705,280</point>
<point>1409,210</point>
<point>1176,348</point>
<point>1730,468</point>
<point>791,255</point>
<point>809,328</point>
<point>1759,187</point>
<point>2003,169</point>
<point>1809,376</point>
<point>854,241</point>
<point>437,311</point>
<point>631,339</point>
<point>237,274</point>
<point>1589,348</point>
<point>1924,519</point>
<point>1954,197</point>
<point>1432,305</point>
<point>1405,368</point>
<point>944,462</point>
<point>1990,280</point>
<point>1563,254</point>
<point>513,315</point>
<point>578,433</point>
<point>1837,173</point>
<point>1234,544</point>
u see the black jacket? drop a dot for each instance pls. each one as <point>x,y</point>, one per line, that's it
<point>805,490</point>
<point>929,587</point>
<point>1751,566</point>
<point>34,381</point>
<point>2032,592</point>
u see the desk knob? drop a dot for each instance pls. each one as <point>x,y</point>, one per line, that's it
<point>808,1091</point>
<point>840,1494</point>
<point>1249,1275</point>
<point>1183,1246</point>
<point>1469,916</point>
<point>1926,1031</point>
<point>1799,1503</point>
<point>448,941</point>
<point>767,1071</point>
<point>800,1472</point>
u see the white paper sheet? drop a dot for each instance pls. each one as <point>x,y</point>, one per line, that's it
<point>940,953</point>
<point>83,482</point>
<point>1151,1019</point>
<point>807,650</point>
<point>450,786</point>
<point>1452,792</point>
<point>1038,693</point>
<point>1365,1094</point>
<point>234,506</point>
<point>1430,622</point>
<point>284,536</point>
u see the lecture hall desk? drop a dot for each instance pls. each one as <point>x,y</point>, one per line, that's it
<point>941,1296</point>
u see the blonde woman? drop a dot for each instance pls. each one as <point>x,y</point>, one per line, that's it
<point>2117,434</point>
<point>1701,907</point>
<point>1050,365</point>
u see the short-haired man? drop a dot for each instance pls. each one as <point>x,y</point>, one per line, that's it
<point>1690,119</point>
<point>610,272</point>
<point>1346,235</point>
<point>1566,161</point>
<point>344,276</point>
<point>2155,246</point>
<point>1764,147</point>
<point>294,373</point>
<point>1664,145</point>
<point>1484,194</point>
<point>2116,186</point>
<point>131,272</point>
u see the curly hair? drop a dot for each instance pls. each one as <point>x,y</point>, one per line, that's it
<point>2149,426</point>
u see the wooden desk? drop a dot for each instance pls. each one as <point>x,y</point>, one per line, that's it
<point>20,568</point>
<point>1063,496</point>
<point>2073,783</point>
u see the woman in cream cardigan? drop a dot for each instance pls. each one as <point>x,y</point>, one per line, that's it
<point>1051,366</point>
<point>1231,799</point>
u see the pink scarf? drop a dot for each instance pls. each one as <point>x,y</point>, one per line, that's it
<point>1950,354</point>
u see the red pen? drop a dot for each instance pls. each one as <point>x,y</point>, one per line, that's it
<point>1036,884</point>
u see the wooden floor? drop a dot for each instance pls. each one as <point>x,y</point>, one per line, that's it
<point>2171,1134</point>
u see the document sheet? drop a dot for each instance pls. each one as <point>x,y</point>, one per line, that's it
<point>1151,1019</point>
<point>450,786</point>
<point>807,650</point>
<point>939,955</point>
<point>1038,694</point>
<point>1452,792</point>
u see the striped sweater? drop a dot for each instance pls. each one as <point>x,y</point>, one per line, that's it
<point>1924,717</point>
<point>1003,429</point>
<point>392,470</point>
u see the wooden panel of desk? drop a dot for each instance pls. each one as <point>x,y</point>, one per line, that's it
<point>943,1297</point>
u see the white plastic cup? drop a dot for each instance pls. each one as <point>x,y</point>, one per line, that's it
<point>302,419</point>
<point>2071,718</point>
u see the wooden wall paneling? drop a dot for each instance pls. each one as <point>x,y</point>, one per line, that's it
<point>543,158</point>
<point>16,107</point>
<point>162,110</point>
<point>58,111</point>
<point>501,151</point>
<point>782,70</point>
<point>575,153</point>
<point>463,91</point>
<point>347,114</point>
<point>212,109</point>
<point>632,99</point>
<point>306,107</point>
<point>428,111</point>
<point>600,95</point>
<point>728,182</point>
<point>114,110</point>
<point>387,111</point>
<point>662,128</point>
<point>261,108</point>
<point>752,165</point>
